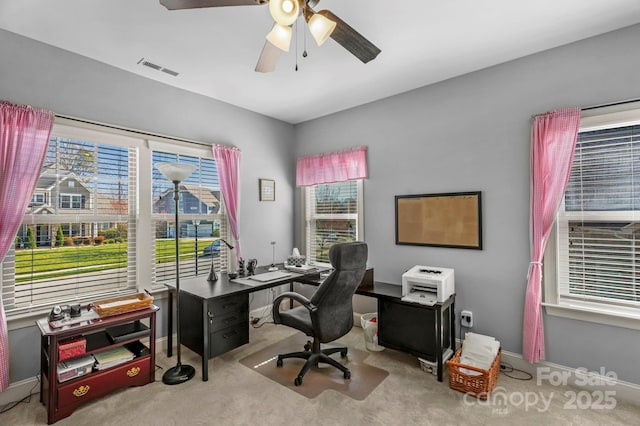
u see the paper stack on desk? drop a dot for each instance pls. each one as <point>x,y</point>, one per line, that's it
<point>478,351</point>
<point>112,357</point>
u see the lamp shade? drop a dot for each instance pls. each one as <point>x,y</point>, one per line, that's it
<point>321,28</point>
<point>284,12</point>
<point>175,172</point>
<point>280,37</point>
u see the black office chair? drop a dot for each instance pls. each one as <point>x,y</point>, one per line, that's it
<point>329,314</point>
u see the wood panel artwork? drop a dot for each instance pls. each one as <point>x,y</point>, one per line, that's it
<point>442,220</point>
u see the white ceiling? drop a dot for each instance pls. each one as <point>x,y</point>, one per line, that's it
<point>215,49</point>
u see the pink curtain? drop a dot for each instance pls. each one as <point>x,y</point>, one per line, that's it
<point>553,142</point>
<point>24,135</point>
<point>228,164</point>
<point>332,167</point>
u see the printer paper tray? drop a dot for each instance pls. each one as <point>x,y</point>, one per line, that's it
<point>420,297</point>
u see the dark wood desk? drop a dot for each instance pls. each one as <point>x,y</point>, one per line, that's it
<point>421,330</point>
<point>215,317</point>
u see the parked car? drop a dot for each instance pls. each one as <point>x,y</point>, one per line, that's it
<point>212,250</point>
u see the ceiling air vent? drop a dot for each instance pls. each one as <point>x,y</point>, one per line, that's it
<point>157,67</point>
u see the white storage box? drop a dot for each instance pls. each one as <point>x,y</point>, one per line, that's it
<point>75,367</point>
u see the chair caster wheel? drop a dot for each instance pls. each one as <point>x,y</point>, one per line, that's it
<point>297,381</point>
<point>307,346</point>
<point>343,353</point>
<point>347,375</point>
<point>279,362</point>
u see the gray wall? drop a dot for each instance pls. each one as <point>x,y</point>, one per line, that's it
<point>40,75</point>
<point>468,133</point>
<point>473,133</point>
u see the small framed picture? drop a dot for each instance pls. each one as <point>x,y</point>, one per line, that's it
<point>267,190</point>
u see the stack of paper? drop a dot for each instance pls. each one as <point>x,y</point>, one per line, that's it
<point>478,351</point>
<point>112,357</point>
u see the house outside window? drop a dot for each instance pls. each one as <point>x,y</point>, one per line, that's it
<point>333,214</point>
<point>591,260</point>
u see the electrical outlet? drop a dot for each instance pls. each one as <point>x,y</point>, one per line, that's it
<point>466,319</point>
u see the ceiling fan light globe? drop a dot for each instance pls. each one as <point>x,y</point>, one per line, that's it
<point>284,12</point>
<point>280,37</point>
<point>321,28</point>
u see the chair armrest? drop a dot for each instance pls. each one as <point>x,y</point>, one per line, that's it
<point>290,295</point>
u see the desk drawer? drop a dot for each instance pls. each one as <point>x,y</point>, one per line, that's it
<point>227,339</point>
<point>228,304</point>
<point>219,322</point>
<point>87,388</point>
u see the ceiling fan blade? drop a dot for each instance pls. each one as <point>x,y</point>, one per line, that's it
<point>194,4</point>
<point>350,39</point>
<point>268,58</point>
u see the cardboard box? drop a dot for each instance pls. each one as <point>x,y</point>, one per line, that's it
<point>72,348</point>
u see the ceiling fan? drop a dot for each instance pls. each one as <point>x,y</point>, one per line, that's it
<point>322,24</point>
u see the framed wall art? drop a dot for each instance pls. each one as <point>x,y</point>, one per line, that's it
<point>440,220</point>
<point>267,189</point>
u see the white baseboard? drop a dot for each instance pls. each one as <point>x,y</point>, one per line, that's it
<point>19,390</point>
<point>590,381</point>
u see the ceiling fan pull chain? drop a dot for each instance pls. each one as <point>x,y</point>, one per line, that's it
<point>296,26</point>
<point>304,34</point>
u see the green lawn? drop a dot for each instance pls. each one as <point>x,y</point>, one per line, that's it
<point>55,262</point>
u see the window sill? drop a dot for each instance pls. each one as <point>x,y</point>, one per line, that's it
<point>593,313</point>
<point>28,319</point>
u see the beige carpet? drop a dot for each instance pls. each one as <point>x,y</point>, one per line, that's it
<point>364,377</point>
<point>237,396</point>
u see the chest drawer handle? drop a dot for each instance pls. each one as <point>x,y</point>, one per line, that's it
<point>231,333</point>
<point>228,320</point>
<point>133,371</point>
<point>81,391</point>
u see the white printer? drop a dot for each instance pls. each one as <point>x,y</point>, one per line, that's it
<point>427,285</point>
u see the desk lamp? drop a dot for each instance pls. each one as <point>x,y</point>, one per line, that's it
<point>273,266</point>
<point>176,173</point>
<point>213,277</point>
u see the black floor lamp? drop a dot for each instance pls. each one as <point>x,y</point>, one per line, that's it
<point>176,173</point>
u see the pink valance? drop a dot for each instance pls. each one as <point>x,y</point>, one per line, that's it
<point>332,167</point>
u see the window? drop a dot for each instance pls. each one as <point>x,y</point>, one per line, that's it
<point>333,214</point>
<point>72,201</point>
<point>37,199</point>
<point>200,215</point>
<point>591,264</point>
<point>99,225</point>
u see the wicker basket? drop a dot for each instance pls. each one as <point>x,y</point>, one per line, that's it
<point>121,305</point>
<point>480,385</point>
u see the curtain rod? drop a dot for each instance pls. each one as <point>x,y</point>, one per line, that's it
<point>139,132</point>
<point>629,101</point>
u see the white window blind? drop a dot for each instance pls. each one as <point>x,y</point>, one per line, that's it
<point>77,241</point>
<point>202,222</point>
<point>333,214</point>
<point>598,226</point>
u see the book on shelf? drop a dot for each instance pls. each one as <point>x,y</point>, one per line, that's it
<point>112,357</point>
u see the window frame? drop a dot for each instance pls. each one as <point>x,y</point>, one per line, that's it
<point>359,219</point>
<point>144,143</point>
<point>608,313</point>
